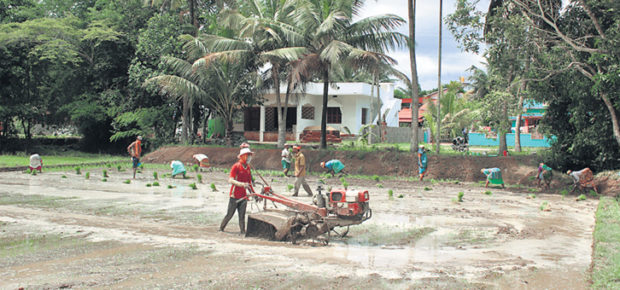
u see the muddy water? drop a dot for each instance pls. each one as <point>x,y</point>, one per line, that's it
<point>501,240</point>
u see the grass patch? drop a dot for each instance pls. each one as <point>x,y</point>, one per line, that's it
<point>193,186</point>
<point>213,188</point>
<point>127,181</point>
<point>377,235</point>
<point>289,187</point>
<point>581,197</point>
<point>155,183</point>
<point>33,200</point>
<point>606,256</point>
<point>18,245</point>
<point>390,193</point>
<point>460,196</point>
<point>466,237</point>
<point>71,157</point>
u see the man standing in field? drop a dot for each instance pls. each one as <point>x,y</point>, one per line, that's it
<point>241,183</point>
<point>300,171</point>
<point>286,160</point>
<point>135,149</point>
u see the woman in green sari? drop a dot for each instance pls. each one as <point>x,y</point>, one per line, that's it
<point>494,176</point>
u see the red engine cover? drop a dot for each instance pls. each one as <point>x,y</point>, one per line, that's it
<point>348,207</point>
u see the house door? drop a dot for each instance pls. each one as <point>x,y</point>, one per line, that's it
<point>251,119</point>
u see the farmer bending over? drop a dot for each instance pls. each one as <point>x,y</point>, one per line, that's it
<point>202,160</point>
<point>177,168</point>
<point>545,174</point>
<point>494,176</point>
<point>333,166</point>
<point>582,179</point>
<point>36,162</point>
<point>241,180</point>
<point>422,162</point>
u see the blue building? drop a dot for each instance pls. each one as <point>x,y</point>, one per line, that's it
<point>530,137</point>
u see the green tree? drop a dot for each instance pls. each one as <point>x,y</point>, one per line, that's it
<point>262,29</point>
<point>333,38</point>
<point>225,86</point>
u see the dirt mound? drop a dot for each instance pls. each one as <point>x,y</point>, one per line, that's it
<point>515,169</point>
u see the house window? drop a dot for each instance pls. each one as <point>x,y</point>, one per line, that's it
<point>364,116</point>
<point>307,112</point>
<point>334,116</point>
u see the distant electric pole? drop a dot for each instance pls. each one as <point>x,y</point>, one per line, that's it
<point>439,90</point>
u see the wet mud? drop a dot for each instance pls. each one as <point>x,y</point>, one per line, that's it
<point>72,232</point>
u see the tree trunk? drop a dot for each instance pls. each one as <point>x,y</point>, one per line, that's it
<point>185,117</point>
<point>324,112</point>
<point>501,132</point>
<point>519,116</point>
<point>614,117</point>
<point>414,78</point>
<point>192,14</point>
<point>373,111</point>
<point>229,129</point>
<point>381,119</point>
<point>205,124</point>
<point>281,120</point>
<point>286,97</point>
<point>518,128</point>
<point>439,90</point>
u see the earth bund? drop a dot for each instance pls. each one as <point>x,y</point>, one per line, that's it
<point>519,170</point>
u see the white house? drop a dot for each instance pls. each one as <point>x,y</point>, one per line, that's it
<point>349,105</point>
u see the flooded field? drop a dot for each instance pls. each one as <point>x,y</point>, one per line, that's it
<point>74,232</point>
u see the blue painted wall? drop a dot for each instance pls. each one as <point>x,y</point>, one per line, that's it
<point>480,139</point>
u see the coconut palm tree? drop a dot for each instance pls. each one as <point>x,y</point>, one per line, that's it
<point>332,39</point>
<point>224,87</point>
<point>411,5</point>
<point>261,29</point>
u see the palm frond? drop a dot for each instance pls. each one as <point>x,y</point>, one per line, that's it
<point>379,41</point>
<point>228,56</point>
<point>334,51</point>
<point>333,24</point>
<point>287,53</point>
<point>219,43</point>
<point>176,87</point>
<point>181,67</point>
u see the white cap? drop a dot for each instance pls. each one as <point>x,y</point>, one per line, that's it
<point>245,151</point>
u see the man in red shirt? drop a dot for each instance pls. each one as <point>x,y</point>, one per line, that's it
<point>241,180</point>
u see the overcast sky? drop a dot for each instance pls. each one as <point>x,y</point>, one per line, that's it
<point>454,62</point>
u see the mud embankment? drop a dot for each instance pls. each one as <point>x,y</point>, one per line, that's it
<point>463,168</point>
